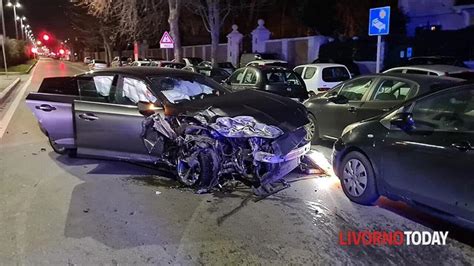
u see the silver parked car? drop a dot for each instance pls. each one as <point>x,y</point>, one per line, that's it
<point>179,119</point>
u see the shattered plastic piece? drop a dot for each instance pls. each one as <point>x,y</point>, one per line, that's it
<point>245,127</point>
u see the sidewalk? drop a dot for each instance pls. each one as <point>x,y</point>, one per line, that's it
<point>6,81</point>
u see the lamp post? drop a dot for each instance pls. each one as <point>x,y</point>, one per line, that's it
<point>15,6</point>
<point>3,37</point>
<point>23,37</point>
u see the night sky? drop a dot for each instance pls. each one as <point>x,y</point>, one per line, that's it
<point>43,16</point>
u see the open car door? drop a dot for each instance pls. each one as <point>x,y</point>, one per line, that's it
<point>108,122</point>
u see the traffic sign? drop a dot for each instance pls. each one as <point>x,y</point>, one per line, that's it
<point>166,41</point>
<point>379,21</point>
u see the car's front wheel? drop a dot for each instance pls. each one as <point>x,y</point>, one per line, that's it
<point>59,149</point>
<point>196,169</point>
<point>358,179</point>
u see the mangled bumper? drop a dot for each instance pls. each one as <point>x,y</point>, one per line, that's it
<point>273,158</point>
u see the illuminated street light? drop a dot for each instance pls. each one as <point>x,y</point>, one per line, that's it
<point>15,6</point>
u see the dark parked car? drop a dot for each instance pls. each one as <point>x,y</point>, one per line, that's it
<point>364,97</point>
<point>421,152</point>
<point>120,61</point>
<point>214,73</point>
<point>271,79</point>
<point>177,118</point>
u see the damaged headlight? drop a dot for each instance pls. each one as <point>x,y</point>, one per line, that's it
<point>245,127</point>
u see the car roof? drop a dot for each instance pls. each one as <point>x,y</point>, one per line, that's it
<point>422,80</point>
<point>144,72</point>
<point>322,65</point>
<point>441,69</point>
<point>268,68</point>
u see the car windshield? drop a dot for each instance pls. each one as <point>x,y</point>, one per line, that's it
<point>335,74</point>
<point>282,76</point>
<point>179,89</point>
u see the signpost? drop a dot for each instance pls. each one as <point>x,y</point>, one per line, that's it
<point>166,42</point>
<point>379,24</point>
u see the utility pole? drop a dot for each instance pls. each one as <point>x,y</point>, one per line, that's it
<point>3,37</point>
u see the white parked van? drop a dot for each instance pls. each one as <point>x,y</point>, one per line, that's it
<point>322,77</point>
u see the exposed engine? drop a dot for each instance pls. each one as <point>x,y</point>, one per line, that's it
<point>207,150</point>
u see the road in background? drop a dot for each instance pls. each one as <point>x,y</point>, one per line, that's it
<point>59,210</point>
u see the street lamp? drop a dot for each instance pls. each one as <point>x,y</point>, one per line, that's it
<point>15,6</point>
<point>3,37</point>
<point>22,26</point>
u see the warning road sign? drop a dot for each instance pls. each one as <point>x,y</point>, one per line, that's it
<point>166,41</point>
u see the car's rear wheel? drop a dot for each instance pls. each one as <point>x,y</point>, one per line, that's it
<point>312,130</point>
<point>358,179</point>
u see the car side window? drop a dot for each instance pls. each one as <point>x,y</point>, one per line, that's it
<point>131,91</point>
<point>310,71</point>
<point>416,72</point>
<point>356,89</point>
<point>95,88</point>
<point>250,77</point>
<point>395,71</point>
<point>237,77</point>
<point>299,71</point>
<point>392,90</point>
<point>452,111</point>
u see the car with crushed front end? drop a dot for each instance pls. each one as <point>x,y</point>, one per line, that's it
<point>364,97</point>
<point>272,79</point>
<point>420,152</point>
<point>178,119</point>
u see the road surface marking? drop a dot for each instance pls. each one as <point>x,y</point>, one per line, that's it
<point>11,110</point>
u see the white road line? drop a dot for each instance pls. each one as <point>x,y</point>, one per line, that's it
<point>11,110</point>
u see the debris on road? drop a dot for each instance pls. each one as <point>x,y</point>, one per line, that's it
<point>157,192</point>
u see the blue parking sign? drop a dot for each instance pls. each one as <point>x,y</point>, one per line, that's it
<point>379,21</point>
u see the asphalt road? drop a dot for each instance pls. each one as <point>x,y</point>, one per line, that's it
<point>58,210</point>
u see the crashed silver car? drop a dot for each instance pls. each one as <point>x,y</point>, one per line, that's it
<point>177,119</point>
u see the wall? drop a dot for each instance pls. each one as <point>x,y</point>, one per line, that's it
<point>422,13</point>
<point>296,51</point>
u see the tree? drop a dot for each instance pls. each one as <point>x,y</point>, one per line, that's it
<point>213,14</point>
<point>173,20</point>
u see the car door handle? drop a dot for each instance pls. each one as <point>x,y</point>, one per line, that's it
<point>45,107</point>
<point>88,117</point>
<point>352,109</point>
<point>462,146</point>
<point>385,109</point>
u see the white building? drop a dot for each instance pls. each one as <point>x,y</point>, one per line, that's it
<point>433,14</point>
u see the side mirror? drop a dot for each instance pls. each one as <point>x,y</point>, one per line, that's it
<point>404,121</point>
<point>147,109</point>
<point>338,99</point>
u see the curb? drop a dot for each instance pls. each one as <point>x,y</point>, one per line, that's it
<point>20,73</point>
<point>4,94</point>
<point>31,67</point>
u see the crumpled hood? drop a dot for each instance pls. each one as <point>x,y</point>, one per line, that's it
<point>266,108</point>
